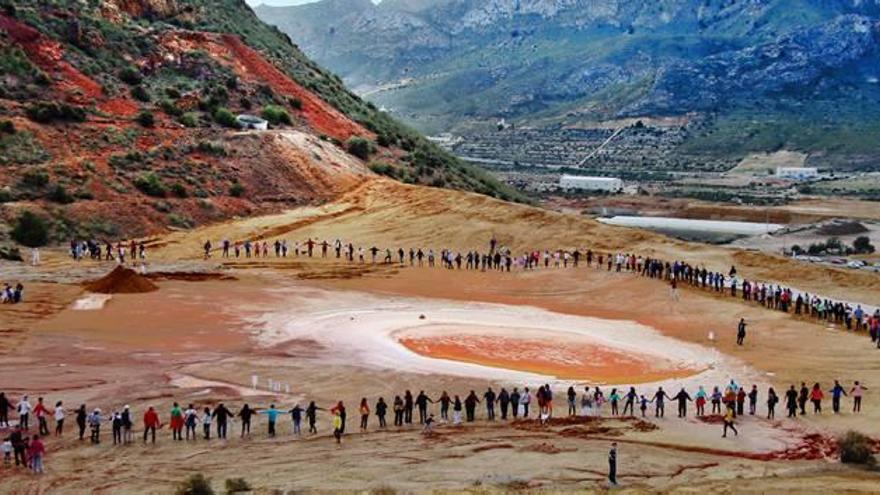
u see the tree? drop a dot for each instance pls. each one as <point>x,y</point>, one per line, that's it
<point>30,230</point>
<point>146,119</point>
<point>276,115</point>
<point>360,147</point>
<point>862,245</point>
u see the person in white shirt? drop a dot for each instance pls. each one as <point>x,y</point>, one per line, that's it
<point>24,410</point>
<point>59,419</point>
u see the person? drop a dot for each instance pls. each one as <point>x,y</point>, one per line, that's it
<point>524,401</point>
<point>422,403</point>
<point>36,451</point>
<point>803,397</point>
<point>151,423</point>
<point>337,426</point>
<point>95,424</point>
<point>296,417</point>
<point>116,427</point>
<point>206,423</point>
<point>659,406</point>
<point>740,401</point>
<point>222,415</point>
<point>753,400</point>
<point>504,402</point>
<point>81,418</point>
<point>176,422</point>
<point>772,400</point>
<point>470,406</point>
<point>682,397</point>
<point>381,411</point>
<point>612,464</point>
<point>340,407</point>
<point>572,401</point>
<point>41,414</point>
<point>856,393</point>
<point>190,421</point>
<point>816,397</point>
<point>490,397</point>
<point>24,410</point>
<point>791,402</point>
<point>271,416</point>
<point>364,409</point>
<point>741,331</point>
<point>16,438</point>
<point>59,419</point>
<point>631,396</point>
<point>643,405</point>
<point>429,425</point>
<point>836,393</point>
<point>6,448</point>
<point>312,415</point>
<point>398,411</point>
<point>245,414</point>
<point>456,410</point>
<point>700,401</point>
<point>5,406</point>
<point>514,402</point>
<point>728,423</point>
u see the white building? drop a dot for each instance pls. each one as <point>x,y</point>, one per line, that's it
<point>246,121</point>
<point>797,173</point>
<point>585,183</point>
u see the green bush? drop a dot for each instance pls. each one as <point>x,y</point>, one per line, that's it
<point>276,115</point>
<point>170,107</point>
<point>47,112</point>
<point>35,179</point>
<point>237,485</point>
<point>211,148</point>
<point>196,484</point>
<point>30,230</point>
<point>360,147</point>
<point>60,195</point>
<point>7,127</point>
<point>295,103</point>
<point>862,245</point>
<point>855,448</point>
<point>236,190</point>
<point>189,119</point>
<point>179,190</point>
<point>150,185</point>
<point>130,75</point>
<point>383,168</point>
<point>140,93</point>
<point>225,118</point>
<point>146,119</point>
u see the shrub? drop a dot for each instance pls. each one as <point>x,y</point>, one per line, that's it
<point>7,127</point>
<point>179,190</point>
<point>130,75</point>
<point>211,148</point>
<point>35,178</point>
<point>146,119</point>
<point>383,168</point>
<point>855,448</point>
<point>196,484</point>
<point>862,245</point>
<point>150,185</point>
<point>360,147</point>
<point>170,107</point>
<point>237,485</point>
<point>225,118</point>
<point>140,93</point>
<point>189,119</point>
<point>276,115</point>
<point>30,230</point>
<point>295,103</point>
<point>59,194</point>
<point>46,112</point>
<point>236,190</point>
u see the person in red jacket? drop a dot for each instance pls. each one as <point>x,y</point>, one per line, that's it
<point>151,423</point>
<point>816,397</point>
<point>41,413</point>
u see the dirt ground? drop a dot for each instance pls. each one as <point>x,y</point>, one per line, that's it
<point>309,325</point>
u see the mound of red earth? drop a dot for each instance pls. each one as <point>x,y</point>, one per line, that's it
<point>121,281</point>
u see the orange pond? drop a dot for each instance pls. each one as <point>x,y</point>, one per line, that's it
<point>570,360</point>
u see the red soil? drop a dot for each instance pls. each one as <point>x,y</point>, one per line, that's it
<point>323,117</point>
<point>121,281</point>
<point>564,360</point>
<point>49,56</point>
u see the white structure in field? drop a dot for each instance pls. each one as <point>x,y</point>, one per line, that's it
<point>246,121</point>
<point>585,183</point>
<point>797,173</point>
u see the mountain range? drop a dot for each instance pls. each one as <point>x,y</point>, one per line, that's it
<point>765,74</point>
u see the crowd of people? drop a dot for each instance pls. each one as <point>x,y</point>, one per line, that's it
<point>12,295</point>
<point>500,258</point>
<point>191,423</point>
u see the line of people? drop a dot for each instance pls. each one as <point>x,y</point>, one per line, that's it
<point>191,422</point>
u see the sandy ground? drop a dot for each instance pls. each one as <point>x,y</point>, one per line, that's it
<point>329,331</point>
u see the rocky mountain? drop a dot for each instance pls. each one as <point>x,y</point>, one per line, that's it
<point>744,65</point>
<point>119,117</point>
